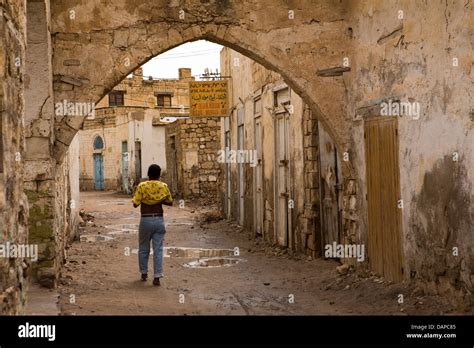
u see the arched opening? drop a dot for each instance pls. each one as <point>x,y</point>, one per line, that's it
<point>257,166</point>
<point>98,143</point>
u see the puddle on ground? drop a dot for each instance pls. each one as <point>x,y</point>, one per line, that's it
<point>95,238</point>
<point>206,258</point>
<point>192,252</point>
<point>212,262</point>
<point>114,202</point>
<point>179,224</point>
<point>197,252</point>
<point>128,232</point>
<point>123,229</point>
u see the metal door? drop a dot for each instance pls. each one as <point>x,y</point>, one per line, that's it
<point>98,172</point>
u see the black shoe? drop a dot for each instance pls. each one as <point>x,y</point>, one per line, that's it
<point>144,277</point>
<point>156,281</point>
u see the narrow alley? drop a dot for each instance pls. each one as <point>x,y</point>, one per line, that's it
<point>101,272</point>
<point>281,159</point>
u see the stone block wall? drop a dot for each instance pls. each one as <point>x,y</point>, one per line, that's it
<point>310,218</point>
<point>13,202</point>
<point>197,142</point>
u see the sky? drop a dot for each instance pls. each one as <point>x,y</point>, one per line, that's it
<point>196,55</point>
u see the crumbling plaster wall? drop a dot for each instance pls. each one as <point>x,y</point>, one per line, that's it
<point>418,64</point>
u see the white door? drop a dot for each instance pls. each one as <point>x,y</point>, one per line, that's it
<point>282,177</point>
<point>258,188</point>
<point>228,185</point>
<point>240,174</point>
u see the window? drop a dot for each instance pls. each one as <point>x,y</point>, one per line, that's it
<point>98,143</point>
<point>257,107</point>
<point>116,98</point>
<point>281,96</point>
<point>163,100</point>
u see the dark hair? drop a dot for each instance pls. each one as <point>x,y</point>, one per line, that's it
<point>154,171</point>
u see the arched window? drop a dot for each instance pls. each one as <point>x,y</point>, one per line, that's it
<point>98,143</point>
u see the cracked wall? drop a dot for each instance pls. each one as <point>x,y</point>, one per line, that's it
<point>425,58</point>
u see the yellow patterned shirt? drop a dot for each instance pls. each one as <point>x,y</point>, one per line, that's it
<point>152,192</point>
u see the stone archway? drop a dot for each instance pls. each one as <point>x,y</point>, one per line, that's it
<point>94,50</point>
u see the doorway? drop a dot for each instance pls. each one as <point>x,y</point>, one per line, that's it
<point>240,166</point>
<point>98,171</point>
<point>138,162</point>
<point>125,185</point>
<point>383,195</point>
<point>228,173</point>
<point>258,178</point>
<point>282,177</point>
<point>330,189</point>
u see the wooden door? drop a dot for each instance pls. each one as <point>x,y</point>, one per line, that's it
<point>228,178</point>
<point>240,175</point>
<point>138,162</point>
<point>330,188</point>
<point>258,190</point>
<point>98,172</point>
<point>125,181</point>
<point>383,195</point>
<point>282,172</point>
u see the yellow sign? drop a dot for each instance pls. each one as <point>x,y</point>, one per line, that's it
<point>208,98</point>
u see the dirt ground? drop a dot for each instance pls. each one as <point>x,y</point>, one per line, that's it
<point>102,278</point>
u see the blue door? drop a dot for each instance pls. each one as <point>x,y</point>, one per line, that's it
<point>98,172</point>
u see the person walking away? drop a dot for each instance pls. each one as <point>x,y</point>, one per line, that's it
<point>150,195</point>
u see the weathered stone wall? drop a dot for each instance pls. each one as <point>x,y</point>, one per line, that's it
<point>310,217</point>
<point>141,90</point>
<point>142,29</point>
<point>13,202</point>
<point>49,183</point>
<point>197,141</point>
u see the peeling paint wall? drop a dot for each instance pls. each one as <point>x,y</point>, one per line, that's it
<point>424,58</point>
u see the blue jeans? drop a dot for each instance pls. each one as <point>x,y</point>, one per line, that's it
<point>152,228</point>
